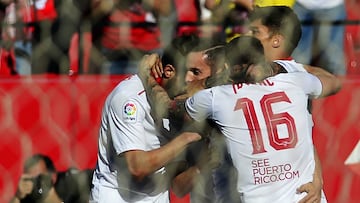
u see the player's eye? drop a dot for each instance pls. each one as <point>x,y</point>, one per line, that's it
<point>195,71</point>
<point>253,31</point>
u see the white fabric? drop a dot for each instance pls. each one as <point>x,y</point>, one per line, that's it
<point>275,156</point>
<point>291,66</point>
<point>126,124</point>
<point>205,13</point>
<point>320,4</point>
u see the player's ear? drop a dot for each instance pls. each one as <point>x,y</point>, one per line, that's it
<point>53,177</point>
<point>169,71</point>
<point>277,41</point>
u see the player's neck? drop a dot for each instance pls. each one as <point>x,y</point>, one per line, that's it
<point>288,58</point>
<point>279,56</point>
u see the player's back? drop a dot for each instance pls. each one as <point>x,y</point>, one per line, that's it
<point>268,135</point>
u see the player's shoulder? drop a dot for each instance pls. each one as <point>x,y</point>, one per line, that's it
<point>203,95</point>
<point>297,79</point>
<point>130,88</point>
<point>291,65</point>
<point>298,75</point>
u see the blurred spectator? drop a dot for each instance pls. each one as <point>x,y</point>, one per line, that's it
<point>322,41</point>
<point>40,182</point>
<point>81,40</point>
<point>190,17</point>
<point>194,17</point>
<point>126,30</point>
<point>231,15</point>
<point>43,32</point>
<point>56,47</point>
<point>7,55</point>
<point>63,28</point>
<point>236,18</point>
<point>34,20</point>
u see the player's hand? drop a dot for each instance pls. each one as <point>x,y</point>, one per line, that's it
<point>192,136</point>
<point>313,191</point>
<point>157,69</point>
<point>25,186</point>
<point>150,65</point>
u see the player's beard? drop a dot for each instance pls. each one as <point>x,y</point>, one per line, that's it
<point>175,87</point>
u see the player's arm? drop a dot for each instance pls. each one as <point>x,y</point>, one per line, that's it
<point>150,72</point>
<point>183,183</point>
<point>314,188</point>
<point>318,178</point>
<point>142,163</point>
<point>330,83</point>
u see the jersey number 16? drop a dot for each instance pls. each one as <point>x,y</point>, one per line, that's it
<point>271,119</point>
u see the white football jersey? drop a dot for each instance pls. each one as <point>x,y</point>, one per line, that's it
<point>267,131</point>
<point>126,124</point>
<point>291,66</point>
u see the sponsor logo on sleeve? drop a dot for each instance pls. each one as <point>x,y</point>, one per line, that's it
<point>130,112</point>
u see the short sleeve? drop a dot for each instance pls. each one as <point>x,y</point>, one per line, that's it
<point>309,83</point>
<point>126,125</point>
<point>199,105</point>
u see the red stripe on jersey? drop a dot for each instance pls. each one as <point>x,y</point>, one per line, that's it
<point>141,92</point>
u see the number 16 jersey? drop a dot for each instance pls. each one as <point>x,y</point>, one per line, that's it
<point>268,132</point>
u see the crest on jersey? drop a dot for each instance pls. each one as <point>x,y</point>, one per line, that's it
<point>130,112</point>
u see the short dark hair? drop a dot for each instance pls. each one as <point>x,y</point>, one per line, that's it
<point>30,162</point>
<point>243,51</point>
<point>280,20</point>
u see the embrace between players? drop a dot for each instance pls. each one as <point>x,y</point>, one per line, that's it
<point>246,100</point>
<point>234,108</point>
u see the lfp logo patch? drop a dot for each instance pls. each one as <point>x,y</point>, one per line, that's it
<point>130,112</point>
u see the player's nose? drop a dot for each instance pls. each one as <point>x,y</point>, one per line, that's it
<point>189,77</point>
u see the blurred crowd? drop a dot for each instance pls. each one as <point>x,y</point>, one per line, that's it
<point>109,36</point>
